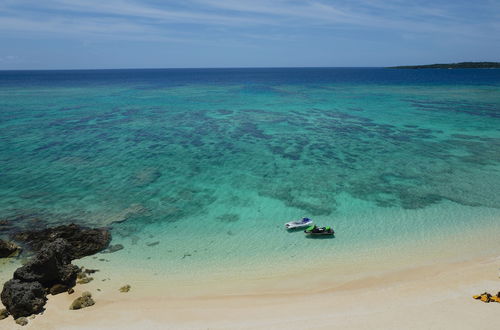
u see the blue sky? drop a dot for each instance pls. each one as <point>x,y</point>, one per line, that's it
<point>62,34</point>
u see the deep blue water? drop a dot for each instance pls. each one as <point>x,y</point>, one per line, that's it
<point>175,77</point>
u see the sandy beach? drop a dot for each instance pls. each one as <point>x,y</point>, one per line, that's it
<point>410,286</point>
<point>249,164</point>
<point>424,297</point>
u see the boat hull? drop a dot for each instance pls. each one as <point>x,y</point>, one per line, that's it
<point>291,225</point>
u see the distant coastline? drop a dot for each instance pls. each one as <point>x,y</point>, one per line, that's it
<point>461,65</point>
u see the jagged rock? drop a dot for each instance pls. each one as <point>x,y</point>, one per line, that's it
<point>58,288</point>
<point>83,241</point>
<point>124,215</point>
<point>50,266</point>
<point>50,270</point>
<point>125,288</point>
<point>81,302</point>
<point>113,248</point>
<point>22,321</point>
<point>8,249</point>
<point>90,271</point>
<point>4,313</point>
<point>83,278</point>
<point>23,298</point>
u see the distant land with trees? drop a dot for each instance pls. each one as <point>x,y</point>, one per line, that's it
<point>461,65</point>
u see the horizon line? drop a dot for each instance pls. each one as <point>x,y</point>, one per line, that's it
<point>241,67</point>
<point>201,68</point>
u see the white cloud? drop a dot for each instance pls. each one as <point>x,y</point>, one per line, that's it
<point>179,21</point>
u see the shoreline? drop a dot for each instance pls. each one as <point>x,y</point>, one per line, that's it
<point>380,284</point>
<point>416,298</point>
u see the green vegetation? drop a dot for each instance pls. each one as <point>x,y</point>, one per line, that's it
<point>462,65</point>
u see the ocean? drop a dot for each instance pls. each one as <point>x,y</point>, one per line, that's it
<point>199,169</point>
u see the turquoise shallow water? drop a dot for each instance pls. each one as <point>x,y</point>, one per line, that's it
<point>211,163</point>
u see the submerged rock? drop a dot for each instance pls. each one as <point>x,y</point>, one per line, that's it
<point>85,280</point>
<point>113,248</point>
<point>8,249</point>
<point>229,217</point>
<point>83,241</point>
<point>146,177</point>
<point>82,302</point>
<point>129,212</point>
<point>90,271</point>
<point>23,298</point>
<point>125,288</point>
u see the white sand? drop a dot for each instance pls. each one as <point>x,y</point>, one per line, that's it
<point>425,297</point>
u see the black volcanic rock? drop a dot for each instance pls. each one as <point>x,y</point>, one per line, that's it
<point>83,241</point>
<point>50,269</point>
<point>50,266</point>
<point>23,298</point>
<point>7,249</point>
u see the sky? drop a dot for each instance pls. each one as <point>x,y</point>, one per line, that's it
<point>98,34</point>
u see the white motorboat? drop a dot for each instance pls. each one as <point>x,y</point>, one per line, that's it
<point>305,222</point>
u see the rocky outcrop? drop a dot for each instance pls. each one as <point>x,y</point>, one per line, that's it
<point>83,241</point>
<point>50,270</point>
<point>23,298</point>
<point>25,294</point>
<point>50,266</point>
<point>8,249</point>
<point>84,301</point>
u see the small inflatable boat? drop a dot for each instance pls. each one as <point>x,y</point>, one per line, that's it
<point>317,231</point>
<point>305,222</point>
